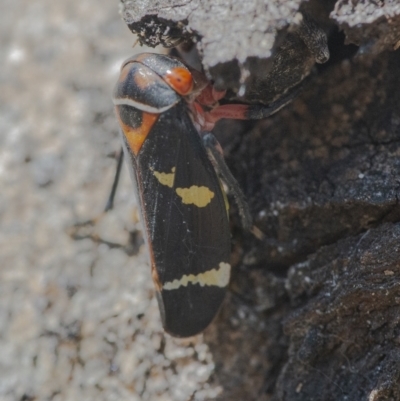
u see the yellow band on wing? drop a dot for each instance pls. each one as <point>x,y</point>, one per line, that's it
<point>166,178</point>
<point>214,277</point>
<point>198,196</point>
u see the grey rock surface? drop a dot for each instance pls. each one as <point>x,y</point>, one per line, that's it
<point>373,25</point>
<point>315,305</point>
<point>78,320</point>
<point>226,30</point>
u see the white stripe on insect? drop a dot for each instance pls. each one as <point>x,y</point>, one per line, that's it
<point>213,277</point>
<point>143,107</point>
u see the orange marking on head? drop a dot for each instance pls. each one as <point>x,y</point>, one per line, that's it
<point>137,136</point>
<point>124,72</point>
<point>180,79</point>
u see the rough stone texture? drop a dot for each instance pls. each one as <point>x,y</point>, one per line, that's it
<point>78,320</point>
<point>324,171</point>
<point>373,25</point>
<point>328,165</point>
<point>344,340</point>
<point>312,311</point>
<point>226,29</point>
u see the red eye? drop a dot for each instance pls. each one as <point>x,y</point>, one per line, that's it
<point>180,79</point>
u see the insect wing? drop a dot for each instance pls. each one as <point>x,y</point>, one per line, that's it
<point>185,220</point>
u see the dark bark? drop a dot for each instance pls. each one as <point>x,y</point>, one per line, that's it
<point>314,309</point>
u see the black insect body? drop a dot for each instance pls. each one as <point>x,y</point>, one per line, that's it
<point>183,208</point>
<point>165,111</point>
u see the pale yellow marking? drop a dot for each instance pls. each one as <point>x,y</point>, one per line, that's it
<point>199,196</point>
<point>219,278</point>
<point>166,178</point>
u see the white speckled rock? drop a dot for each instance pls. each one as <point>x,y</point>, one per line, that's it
<point>78,320</point>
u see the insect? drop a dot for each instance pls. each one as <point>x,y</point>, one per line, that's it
<point>166,110</point>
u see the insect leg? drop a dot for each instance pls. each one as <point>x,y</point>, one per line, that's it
<point>214,152</point>
<point>85,229</point>
<point>110,201</point>
<point>240,111</point>
<point>259,111</point>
